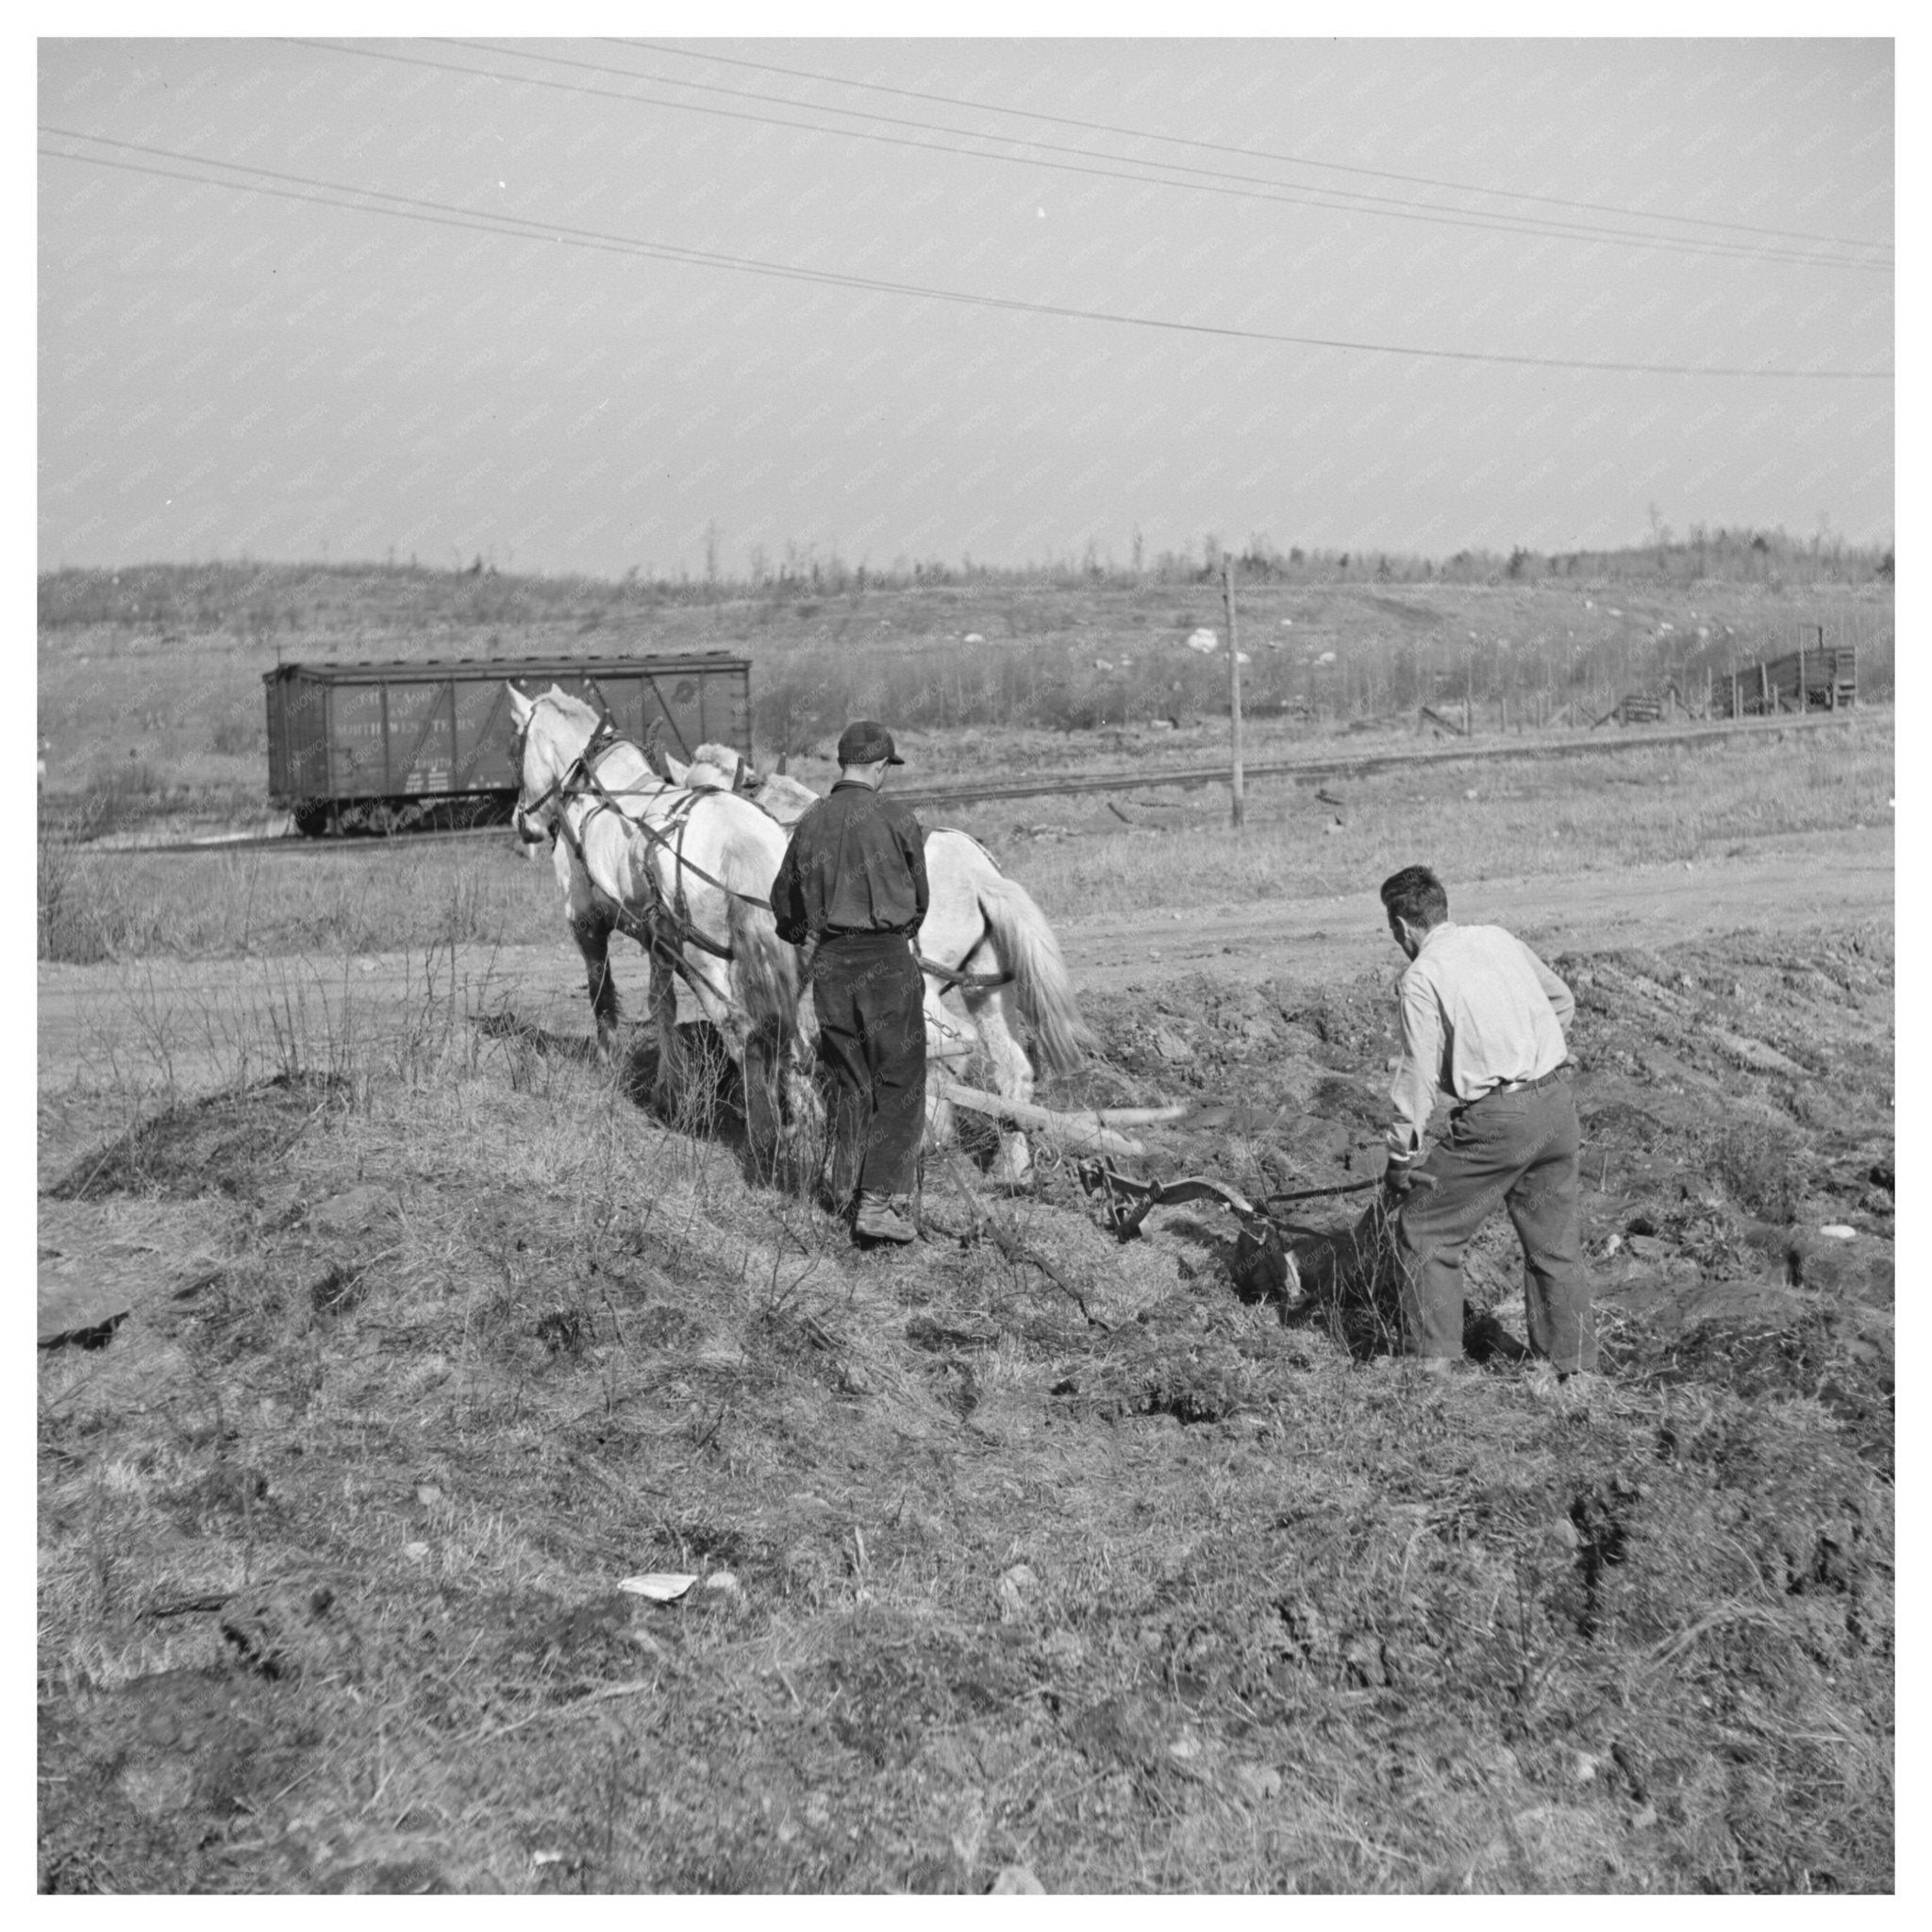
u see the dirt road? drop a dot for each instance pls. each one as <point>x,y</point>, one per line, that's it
<point>1796,883</point>
<point>193,1024</point>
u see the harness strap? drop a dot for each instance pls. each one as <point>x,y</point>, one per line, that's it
<point>654,936</point>
<point>954,975</point>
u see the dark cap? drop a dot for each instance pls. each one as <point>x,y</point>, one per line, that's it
<point>865,741</point>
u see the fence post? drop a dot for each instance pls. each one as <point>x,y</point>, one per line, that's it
<point>1234,682</point>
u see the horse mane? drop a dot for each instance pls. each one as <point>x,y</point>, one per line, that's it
<point>572,707</point>
<point>722,755</point>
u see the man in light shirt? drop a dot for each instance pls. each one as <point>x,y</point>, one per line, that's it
<point>1482,1025</point>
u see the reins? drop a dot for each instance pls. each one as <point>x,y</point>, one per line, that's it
<point>566,789</point>
<point>579,779</point>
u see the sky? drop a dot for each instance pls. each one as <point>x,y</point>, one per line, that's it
<point>1001,298</point>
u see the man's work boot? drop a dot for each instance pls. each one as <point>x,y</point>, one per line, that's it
<point>879,1220</point>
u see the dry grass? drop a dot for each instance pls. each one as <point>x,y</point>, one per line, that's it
<point>1075,856</point>
<point>331,1532</point>
<point>1471,822</point>
<point>165,673</point>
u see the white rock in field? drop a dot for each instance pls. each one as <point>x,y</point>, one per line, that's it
<point>661,1587</point>
<point>1016,1878</point>
<point>973,637</point>
<point>1838,1231</point>
<point>1206,641</point>
<point>1014,1589</point>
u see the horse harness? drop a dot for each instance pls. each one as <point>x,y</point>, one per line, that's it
<point>667,927</point>
<point>650,931</point>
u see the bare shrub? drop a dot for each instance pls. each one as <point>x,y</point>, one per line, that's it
<point>1759,1167</point>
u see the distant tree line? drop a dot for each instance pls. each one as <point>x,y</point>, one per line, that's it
<point>260,600</point>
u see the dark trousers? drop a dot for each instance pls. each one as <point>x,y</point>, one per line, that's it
<point>870,998</point>
<point>1515,1150</point>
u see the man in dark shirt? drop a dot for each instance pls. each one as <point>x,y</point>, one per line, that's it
<point>852,892</point>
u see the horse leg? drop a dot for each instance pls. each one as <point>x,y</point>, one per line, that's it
<point>592,935</point>
<point>668,1081</point>
<point>996,1012</point>
<point>750,1052</point>
<point>948,1043</point>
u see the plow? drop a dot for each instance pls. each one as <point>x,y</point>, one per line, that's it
<point>1263,1260</point>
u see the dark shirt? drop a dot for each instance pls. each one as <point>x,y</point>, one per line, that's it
<point>856,863</point>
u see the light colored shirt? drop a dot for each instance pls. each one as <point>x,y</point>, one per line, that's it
<point>1478,1008</point>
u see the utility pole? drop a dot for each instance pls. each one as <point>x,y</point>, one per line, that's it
<point>1234,681</point>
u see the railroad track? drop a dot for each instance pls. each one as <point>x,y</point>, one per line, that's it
<point>1360,764</point>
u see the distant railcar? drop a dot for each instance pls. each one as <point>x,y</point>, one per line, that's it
<point>387,747</point>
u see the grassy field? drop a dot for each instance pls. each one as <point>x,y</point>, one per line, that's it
<point>1079,856</point>
<point>1021,1554</point>
<point>1024,1559</point>
<point>150,697</point>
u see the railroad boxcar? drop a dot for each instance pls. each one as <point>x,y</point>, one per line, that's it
<point>384,747</point>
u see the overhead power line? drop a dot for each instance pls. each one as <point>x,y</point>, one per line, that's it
<point>1250,154</point>
<point>348,196</point>
<point>1360,202</point>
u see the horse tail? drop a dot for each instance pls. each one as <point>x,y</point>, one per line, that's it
<point>1029,952</point>
<point>764,969</point>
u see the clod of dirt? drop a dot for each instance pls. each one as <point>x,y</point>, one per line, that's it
<point>562,1330</point>
<point>227,1143</point>
<point>58,1330</point>
<point>98,1262</point>
<point>922,1331</point>
<point>1547,1848</point>
<point>178,1741</point>
<point>288,1628</point>
<point>1121,1731</point>
<point>353,1211</point>
<point>339,1287</point>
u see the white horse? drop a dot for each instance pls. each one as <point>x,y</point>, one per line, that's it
<point>979,923</point>
<point>687,875</point>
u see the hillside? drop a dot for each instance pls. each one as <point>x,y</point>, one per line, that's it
<point>149,679</point>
